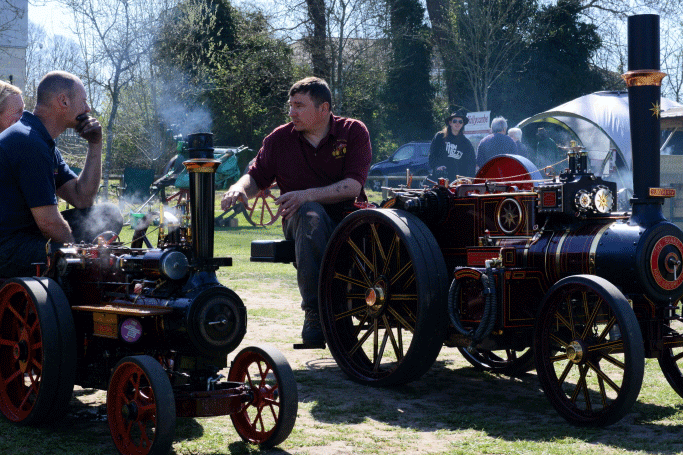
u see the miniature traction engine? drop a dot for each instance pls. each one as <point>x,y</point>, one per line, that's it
<point>151,326</point>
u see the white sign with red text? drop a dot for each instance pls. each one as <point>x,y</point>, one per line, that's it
<point>479,123</point>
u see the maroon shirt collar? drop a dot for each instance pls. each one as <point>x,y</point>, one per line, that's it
<point>331,134</point>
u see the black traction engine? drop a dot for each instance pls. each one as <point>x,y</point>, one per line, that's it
<point>152,326</point>
<point>520,272</point>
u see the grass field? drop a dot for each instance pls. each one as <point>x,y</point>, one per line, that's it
<point>453,409</point>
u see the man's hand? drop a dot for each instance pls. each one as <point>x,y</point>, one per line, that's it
<point>441,168</point>
<point>231,197</point>
<point>290,202</point>
<point>89,129</point>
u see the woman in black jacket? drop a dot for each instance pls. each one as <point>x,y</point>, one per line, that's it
<point>451,153</point>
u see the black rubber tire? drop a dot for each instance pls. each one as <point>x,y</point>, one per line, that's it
<point>38,344</point>
<point>393,253</point>
<point>585,325</point>
<point>268,374</point>
<point>141,387</point>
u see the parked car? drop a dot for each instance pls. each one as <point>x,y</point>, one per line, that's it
<point>413,156</point>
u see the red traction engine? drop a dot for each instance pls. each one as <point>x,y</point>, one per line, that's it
<point>151,326</point>
<point>519,272</point>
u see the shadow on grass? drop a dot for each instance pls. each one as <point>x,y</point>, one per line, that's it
<point>453,399</point>
<point>84,430</point>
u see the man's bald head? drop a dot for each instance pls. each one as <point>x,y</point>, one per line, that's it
<point>54,83</point>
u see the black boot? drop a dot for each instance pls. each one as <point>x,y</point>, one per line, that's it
<point>312,333</point>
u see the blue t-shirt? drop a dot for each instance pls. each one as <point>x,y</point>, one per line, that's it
<point>31,170</point>
<point>493,145</point>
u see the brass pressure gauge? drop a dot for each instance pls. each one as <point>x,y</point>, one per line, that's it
<point>603,199</point>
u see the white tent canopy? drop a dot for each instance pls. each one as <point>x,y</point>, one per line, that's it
<point>599,121</point>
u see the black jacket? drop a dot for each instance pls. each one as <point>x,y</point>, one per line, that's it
<point>454,152</point>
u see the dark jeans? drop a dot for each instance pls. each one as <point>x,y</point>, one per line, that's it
<point>310,228</point>
<point>19,251</point>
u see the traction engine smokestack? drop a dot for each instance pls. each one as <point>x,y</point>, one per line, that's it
<point>202,169</point>
<point>644,94</point>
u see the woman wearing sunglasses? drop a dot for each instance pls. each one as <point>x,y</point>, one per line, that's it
<point>451,153</point>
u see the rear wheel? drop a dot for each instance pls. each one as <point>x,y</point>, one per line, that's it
<point>382,289</point>
<point>671,359</point>
<point>37,351</point>
<point>589,351</point>
<point>269,417</point>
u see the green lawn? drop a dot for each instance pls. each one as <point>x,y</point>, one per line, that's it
<point>453,409</point>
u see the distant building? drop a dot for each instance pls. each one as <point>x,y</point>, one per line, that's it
<point>13,41</point>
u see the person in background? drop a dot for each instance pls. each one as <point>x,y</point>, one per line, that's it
<point>320,162</point>
<point>496,143</point>
<point>548,154</point>
<point>451,153</point>
<point>11,105</point>
<point>522,149</point>
<point>33,174</point>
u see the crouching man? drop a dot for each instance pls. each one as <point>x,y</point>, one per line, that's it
<point>320,163</point>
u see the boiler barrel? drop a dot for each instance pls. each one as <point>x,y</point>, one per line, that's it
<point>639,260</point>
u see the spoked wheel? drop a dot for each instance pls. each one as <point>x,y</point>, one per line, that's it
<point>589,351</point>
<point>263,211</point>
<point>269,417</point>
<point>141,407</point>
<point>671,360</point>
<point>508,362</point>
<point>382,293</point>
<point>37,351</point>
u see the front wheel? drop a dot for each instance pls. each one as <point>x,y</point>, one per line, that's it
<point>268,419</point>
<point>589,351</point>
<point>671,359</point>
<point>141,407</point>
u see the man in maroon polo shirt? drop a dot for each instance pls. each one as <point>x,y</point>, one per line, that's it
<point>320,162</point>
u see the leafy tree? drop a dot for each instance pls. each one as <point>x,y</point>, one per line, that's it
<point>224,63</point>
<point>408,92</point>
<point>555,66</point>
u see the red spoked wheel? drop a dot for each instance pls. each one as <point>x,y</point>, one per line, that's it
<point>589,351</point>
<point>141,407</point>
<point>262,212</point>
<point>268,419</point>
<point>37,351</point>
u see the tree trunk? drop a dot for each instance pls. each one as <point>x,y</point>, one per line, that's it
<point>318,41</point>
<point>443,40</point>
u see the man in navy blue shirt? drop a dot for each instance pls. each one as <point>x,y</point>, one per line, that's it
<point>33,174</point>
<point>496,143</point>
